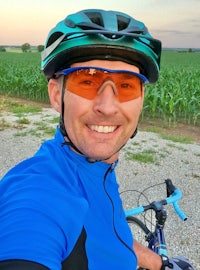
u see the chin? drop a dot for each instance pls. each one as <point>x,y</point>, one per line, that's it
<point>107,158</point>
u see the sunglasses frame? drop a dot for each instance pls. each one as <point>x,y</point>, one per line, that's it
<point>67,71</point>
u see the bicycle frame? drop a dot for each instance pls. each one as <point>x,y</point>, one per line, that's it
<point>156,239</point>
<point>157,243</point>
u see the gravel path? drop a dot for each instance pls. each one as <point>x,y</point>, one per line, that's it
<point>178,161</point>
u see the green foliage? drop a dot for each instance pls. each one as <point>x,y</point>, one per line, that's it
<point>2,49</point>
<point>21,76</point>
<point>176,139</point>
<point>23,121</point>
<point>146,156</point>
<point>40,48</point>
<point>26,47</point>
<point>18,108</point>
<point>174,98</point>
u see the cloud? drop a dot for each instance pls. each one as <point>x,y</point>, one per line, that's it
<point>170,32</point>
<point>182,27</point>
<point>187,37</point>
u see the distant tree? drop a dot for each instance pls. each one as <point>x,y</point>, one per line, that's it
<point>189,50</point>
<point>40,48</point>
<point>26,47</point>
<point>2,49</point>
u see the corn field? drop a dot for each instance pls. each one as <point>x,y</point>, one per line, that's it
<point>174,98</point>
<point>20,76</point>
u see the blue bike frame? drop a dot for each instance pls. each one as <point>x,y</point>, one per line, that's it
<point>157,240</point>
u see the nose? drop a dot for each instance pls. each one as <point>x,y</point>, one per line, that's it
<point>106,102</point>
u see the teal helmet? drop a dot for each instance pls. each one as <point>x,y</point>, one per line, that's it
<point>105,35</point>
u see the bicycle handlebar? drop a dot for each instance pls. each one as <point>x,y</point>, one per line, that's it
<point>179,212</point>
<point>175,195</point>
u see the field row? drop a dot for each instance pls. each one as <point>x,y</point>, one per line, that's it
<point>174,98</point>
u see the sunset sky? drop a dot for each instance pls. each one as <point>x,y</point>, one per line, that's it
<point>175,22</point>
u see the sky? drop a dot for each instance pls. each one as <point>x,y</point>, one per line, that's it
<point>175,22</point>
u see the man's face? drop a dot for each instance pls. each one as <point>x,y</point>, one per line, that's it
<point>101,126</point>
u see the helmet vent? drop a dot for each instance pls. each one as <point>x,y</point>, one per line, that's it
<point>123,22</point>
<point>95,17</point>
<point>53,38</point>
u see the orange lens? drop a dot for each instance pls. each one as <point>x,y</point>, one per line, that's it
<point>87,82</point>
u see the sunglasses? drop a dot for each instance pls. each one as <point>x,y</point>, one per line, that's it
<point>88,82</point>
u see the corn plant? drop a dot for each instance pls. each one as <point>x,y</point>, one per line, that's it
<point>21,76</point>
<point>174,98</point>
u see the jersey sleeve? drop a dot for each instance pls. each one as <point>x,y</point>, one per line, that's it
<point>39,220</point>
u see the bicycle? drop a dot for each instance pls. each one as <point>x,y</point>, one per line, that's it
<point>150,230</point>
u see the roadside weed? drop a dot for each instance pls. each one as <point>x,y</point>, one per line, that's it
<point>146,156</point>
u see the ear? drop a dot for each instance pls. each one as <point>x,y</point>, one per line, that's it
<point>54,91</point>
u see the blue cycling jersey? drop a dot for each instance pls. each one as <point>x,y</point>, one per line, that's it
<point>47,200</point>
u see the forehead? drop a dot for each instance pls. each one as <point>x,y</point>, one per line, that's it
<point>118,65</point>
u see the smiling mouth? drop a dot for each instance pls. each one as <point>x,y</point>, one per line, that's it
<point>102,129</point>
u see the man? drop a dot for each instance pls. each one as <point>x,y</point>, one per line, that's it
<point>61,208</point>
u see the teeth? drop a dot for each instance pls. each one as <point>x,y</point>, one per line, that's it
<point>103,129</point>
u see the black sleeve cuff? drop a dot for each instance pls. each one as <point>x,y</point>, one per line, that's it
<point>21,265</point>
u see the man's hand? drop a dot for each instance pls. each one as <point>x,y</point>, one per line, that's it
<point>176,263</point>
<point>147,259</point>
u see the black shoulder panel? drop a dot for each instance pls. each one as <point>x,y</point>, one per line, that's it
<point>76,260</point>
<point>78,257</point>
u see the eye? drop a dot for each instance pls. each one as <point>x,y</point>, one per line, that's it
<point>126,85</point>
<point>86,83</point>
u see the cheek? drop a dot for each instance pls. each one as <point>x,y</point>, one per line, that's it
<point>70,107</point>
<point>133,108</point>
<point>75,107</point>
<point>138,105</point>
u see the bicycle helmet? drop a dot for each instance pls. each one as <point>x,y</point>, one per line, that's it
<point>105,35</point>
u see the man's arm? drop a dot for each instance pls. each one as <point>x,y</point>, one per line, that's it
<point>146,257</point>
<point>21,265</point>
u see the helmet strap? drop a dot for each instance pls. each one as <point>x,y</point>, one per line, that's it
<point>134,133</point>
<point>61,124</point>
